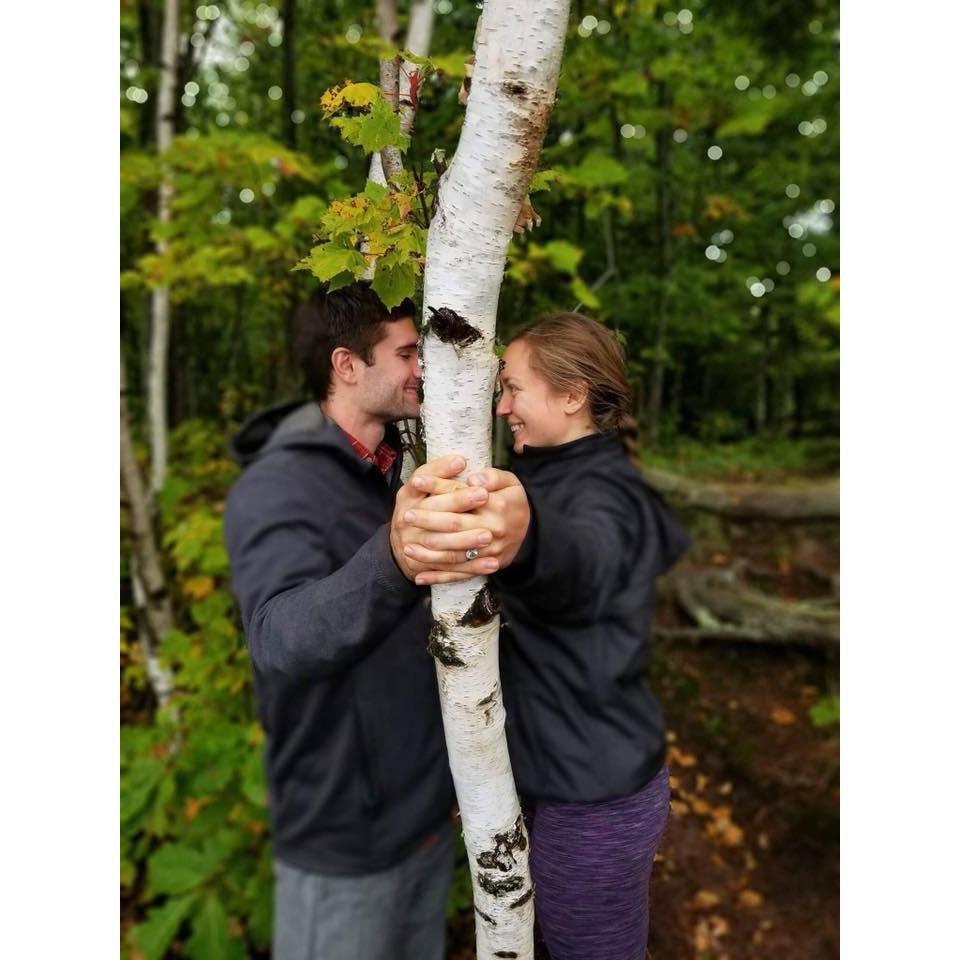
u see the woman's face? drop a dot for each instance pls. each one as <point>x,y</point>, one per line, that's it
<point>535,414</point>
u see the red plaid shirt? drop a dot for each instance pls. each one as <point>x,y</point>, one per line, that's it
<point>383,457</point>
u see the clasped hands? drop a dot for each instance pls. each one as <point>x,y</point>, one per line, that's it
<point>437,519</point>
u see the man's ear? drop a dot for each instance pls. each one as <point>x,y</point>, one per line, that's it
<point>344,363</point>
<point>576,398</point>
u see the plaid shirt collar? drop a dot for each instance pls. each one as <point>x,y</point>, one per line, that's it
<point>384,456</point>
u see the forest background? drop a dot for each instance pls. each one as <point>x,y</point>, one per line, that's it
<point>689,198</point>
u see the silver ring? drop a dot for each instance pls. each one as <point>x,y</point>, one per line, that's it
<point>472,553</point>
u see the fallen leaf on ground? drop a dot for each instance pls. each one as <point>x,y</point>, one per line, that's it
<point>782,716</point>
<point>706,899</point>
<point>681,759</point>
<point>750,898</point>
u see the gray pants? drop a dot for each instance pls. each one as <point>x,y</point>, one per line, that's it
<point>397,914</point>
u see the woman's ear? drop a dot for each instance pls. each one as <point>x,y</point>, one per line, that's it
<point>576,398</point>
<point>343,362</point>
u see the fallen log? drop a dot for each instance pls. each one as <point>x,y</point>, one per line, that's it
<point>816,500</point>
<point>724,608</point>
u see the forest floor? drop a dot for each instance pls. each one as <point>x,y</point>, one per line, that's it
<point>749,866</point>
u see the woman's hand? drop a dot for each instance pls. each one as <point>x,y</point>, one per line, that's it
<point>490,514</point>
<point>430,489</point>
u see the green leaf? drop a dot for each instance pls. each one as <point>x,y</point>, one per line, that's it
<point>542,180</point>
<point>215,560</point>
<point>563,255</point>
<point>135,794</point>
<point>599,170</point>
<point>632,84</point>
<point>392,284</point>
<point>153,936</point>
<point>327,260</point>
<point>754,119</point>
<point>211,938</point>
<point>360,94</point>
<point>584,294</point>
<point>374,130</point>
<point>375,191</point>
<point>176,868</point>
<point>340,280</point>
<point>826,711</point>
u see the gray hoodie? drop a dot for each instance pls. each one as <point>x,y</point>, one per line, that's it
<point>356,763</point>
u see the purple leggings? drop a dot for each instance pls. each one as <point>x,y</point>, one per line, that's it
<point>591,866</point>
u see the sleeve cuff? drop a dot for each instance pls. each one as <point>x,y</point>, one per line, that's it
<point>386,569</point>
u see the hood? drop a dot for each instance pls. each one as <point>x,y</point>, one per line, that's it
<point>296,423</point>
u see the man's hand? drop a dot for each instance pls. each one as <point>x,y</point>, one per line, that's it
<point>439,530</point>
<point>434,481</point>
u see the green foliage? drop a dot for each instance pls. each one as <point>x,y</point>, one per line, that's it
<point>195,853</point>
<point>376,226</point>
<point>826,711</point>
<point>363,117</point>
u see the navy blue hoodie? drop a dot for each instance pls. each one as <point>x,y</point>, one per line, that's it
<point>582,724</point>
<point>346,691</point>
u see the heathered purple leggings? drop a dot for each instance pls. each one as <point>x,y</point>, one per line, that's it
<point>591,866</point>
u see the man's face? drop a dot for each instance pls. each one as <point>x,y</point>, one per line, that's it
<point>390,386</point>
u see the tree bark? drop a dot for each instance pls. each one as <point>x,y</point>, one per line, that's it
<point>816,500</point>
<point>289,73</point>
<point>419,34</point>
<point>152,598</point>
<point>160,302</point>
<point>518,53</point>
<point>663,266</point>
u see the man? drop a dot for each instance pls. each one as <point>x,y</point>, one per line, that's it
<point>359,787</point>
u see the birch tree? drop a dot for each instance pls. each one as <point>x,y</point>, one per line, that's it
<point>518,52</point>
<point>160,301</point>
<point>480,200</point>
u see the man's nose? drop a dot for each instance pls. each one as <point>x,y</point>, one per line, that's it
<point>417,369</point>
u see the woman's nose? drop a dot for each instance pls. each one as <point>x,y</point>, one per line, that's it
<point>503,407</point>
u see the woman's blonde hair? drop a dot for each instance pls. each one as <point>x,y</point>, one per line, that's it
<point>569,349</point>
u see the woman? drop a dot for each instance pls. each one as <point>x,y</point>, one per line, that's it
<point>585,732</point>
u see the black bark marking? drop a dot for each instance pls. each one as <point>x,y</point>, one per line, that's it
<point>485,606</point>
<point>504,953</point>
<point>516,88</point>
<point>501,856</point>
<point>497,888</point>
<point>489,920</point>
<point>522,900</point>
<point>450,327</point>
<point>490,697</point>
<point>439,647</point>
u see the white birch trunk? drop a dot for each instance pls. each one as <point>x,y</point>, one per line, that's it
<point>419,35</point>
<point>518,52</point>
<point>160,301</point>
<point>151,597</point>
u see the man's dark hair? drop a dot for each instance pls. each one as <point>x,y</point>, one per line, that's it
<point>351,317</point>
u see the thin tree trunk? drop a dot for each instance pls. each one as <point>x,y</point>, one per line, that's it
<point>151,596</point>
<point>419,34</point>
<point>289,73</point>
<point>663,265</point>
<point>518,53</point>
<point>160,304</point>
